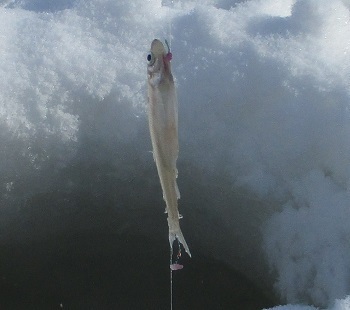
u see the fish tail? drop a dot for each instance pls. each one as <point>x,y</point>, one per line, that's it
<point>173,235</point>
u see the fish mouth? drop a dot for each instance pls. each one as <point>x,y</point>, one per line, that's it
<point>157,48</point>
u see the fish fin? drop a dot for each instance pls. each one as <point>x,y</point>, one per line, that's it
<point>154,158</point>
<point>179,236</point>
<point>176,186</point>
<point>177,191</point>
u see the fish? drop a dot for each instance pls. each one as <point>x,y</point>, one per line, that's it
<point>163,126</point>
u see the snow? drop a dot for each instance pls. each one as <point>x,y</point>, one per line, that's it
<point>264,91</point>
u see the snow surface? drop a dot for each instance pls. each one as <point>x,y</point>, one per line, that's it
<point>264,90</point>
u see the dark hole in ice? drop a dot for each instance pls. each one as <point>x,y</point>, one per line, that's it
<point>105,271</point>
<point>91,261</point>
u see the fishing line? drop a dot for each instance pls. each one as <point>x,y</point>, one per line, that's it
<point>171,263</point>
<point>169,37</point>
<point>174,265</point>
<point>171,6</point>
<point>171,248</point>
<point>171,279</point>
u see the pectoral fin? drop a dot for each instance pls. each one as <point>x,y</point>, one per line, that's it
<point>177,191</point>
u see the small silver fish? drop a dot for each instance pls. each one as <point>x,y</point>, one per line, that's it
<point>163,122</point>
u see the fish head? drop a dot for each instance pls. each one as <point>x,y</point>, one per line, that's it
<point>158,60</point>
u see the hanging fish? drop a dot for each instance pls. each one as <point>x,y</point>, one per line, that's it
<point>162,115</point>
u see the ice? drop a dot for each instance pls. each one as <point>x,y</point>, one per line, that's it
<point>264,122</point>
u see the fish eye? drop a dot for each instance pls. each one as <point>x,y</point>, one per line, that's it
<point>150,59</point>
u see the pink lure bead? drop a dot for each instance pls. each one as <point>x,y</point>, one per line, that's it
<point>176,267</point>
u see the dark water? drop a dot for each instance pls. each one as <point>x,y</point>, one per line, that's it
<point>100,270</point>
<point>80,250</point>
